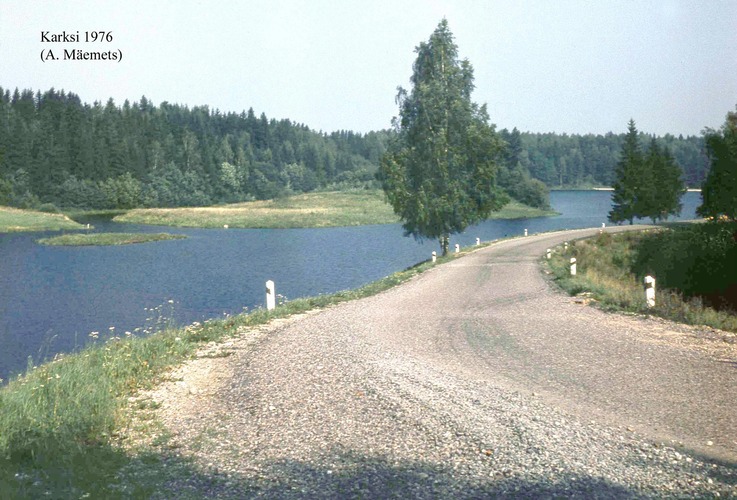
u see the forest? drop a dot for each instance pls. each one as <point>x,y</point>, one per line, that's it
<point>57,151</point>
<point>581,161</point>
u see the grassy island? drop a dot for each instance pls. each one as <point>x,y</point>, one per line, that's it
<point>14,220</point>
<point>325,209</point>
<point>97,239</point>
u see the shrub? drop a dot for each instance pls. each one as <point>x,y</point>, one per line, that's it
<point>49,208</point>
<point>698,260</point>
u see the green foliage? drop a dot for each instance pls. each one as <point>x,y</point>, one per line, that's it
<point>6,191</point>
<point>585,161</point>
<point>629,180</point>
<point>439,173</point>
<point>518,184</point>
<point>102,156</point>
<point>605,275</point>
<point>515,178</point>
<point>647,184</point>
<point>663,186</point>
<point>719,192</point>
<point>49,208</point>
<point>698,260</point>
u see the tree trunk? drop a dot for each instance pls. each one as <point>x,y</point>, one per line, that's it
<point>444,243</point>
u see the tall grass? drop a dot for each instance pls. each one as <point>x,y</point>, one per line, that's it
<point>604,273</point>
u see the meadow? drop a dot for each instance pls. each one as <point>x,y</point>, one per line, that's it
<point>14,219</point>
<point>319,209</point>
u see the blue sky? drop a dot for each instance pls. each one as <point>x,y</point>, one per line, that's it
<point>542,66</point>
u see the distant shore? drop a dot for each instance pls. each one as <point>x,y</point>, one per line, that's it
<point>690,190</point>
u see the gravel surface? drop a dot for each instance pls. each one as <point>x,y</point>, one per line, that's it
<point>475,379</point>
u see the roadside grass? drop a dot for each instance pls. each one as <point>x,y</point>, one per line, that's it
<point>14,220</point>
<point>319,209</point>
<point>603,274</point>
<point>64,425</point>
<point>96,239</point>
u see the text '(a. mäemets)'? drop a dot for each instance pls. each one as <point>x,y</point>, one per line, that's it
<point>81,55</point>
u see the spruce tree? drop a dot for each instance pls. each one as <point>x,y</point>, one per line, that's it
<point>439,173</point>
<point>663,185</point>
<point>628,179</point>
<point>719,191</point>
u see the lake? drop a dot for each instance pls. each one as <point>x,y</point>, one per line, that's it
<point>52,298</point>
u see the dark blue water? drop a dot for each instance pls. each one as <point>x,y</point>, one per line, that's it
<point>52,298</point>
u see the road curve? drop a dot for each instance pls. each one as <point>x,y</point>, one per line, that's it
<point>475,379</point>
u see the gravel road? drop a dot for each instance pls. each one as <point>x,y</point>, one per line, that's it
<point>475,379</point>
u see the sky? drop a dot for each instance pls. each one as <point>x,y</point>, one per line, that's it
<point>564,66</point>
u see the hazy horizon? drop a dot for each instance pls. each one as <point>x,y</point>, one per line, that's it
<point>571,67</point>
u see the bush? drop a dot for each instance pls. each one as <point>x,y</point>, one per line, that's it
<point>605,275</point>
<point>698,261</point>
<point>49,208</point>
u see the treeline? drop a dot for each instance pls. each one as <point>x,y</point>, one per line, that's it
<point>561,160</point>
<point>56,149</point>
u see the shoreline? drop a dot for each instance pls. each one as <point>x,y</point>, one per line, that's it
<point>305,211</point>
<point>689,190</point>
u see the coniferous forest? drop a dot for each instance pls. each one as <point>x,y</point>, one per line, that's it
<point>56,149</point>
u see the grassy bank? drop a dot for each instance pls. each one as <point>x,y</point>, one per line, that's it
<point>65,423</point>
<point>324,209</point>
<point>96,239</point>
<point>13,220</point>
<point>604,275</point>
<point>306,210</point>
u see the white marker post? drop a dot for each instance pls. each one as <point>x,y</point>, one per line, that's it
<point>458,248</point>
<point>565,246</point>
<point>270,296</point>
<point>650,291</point>
<point>548,253</point>
<point>478,241</point>
<point>525,232</point>
<point>434,256</point>
<point>573,266</point>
